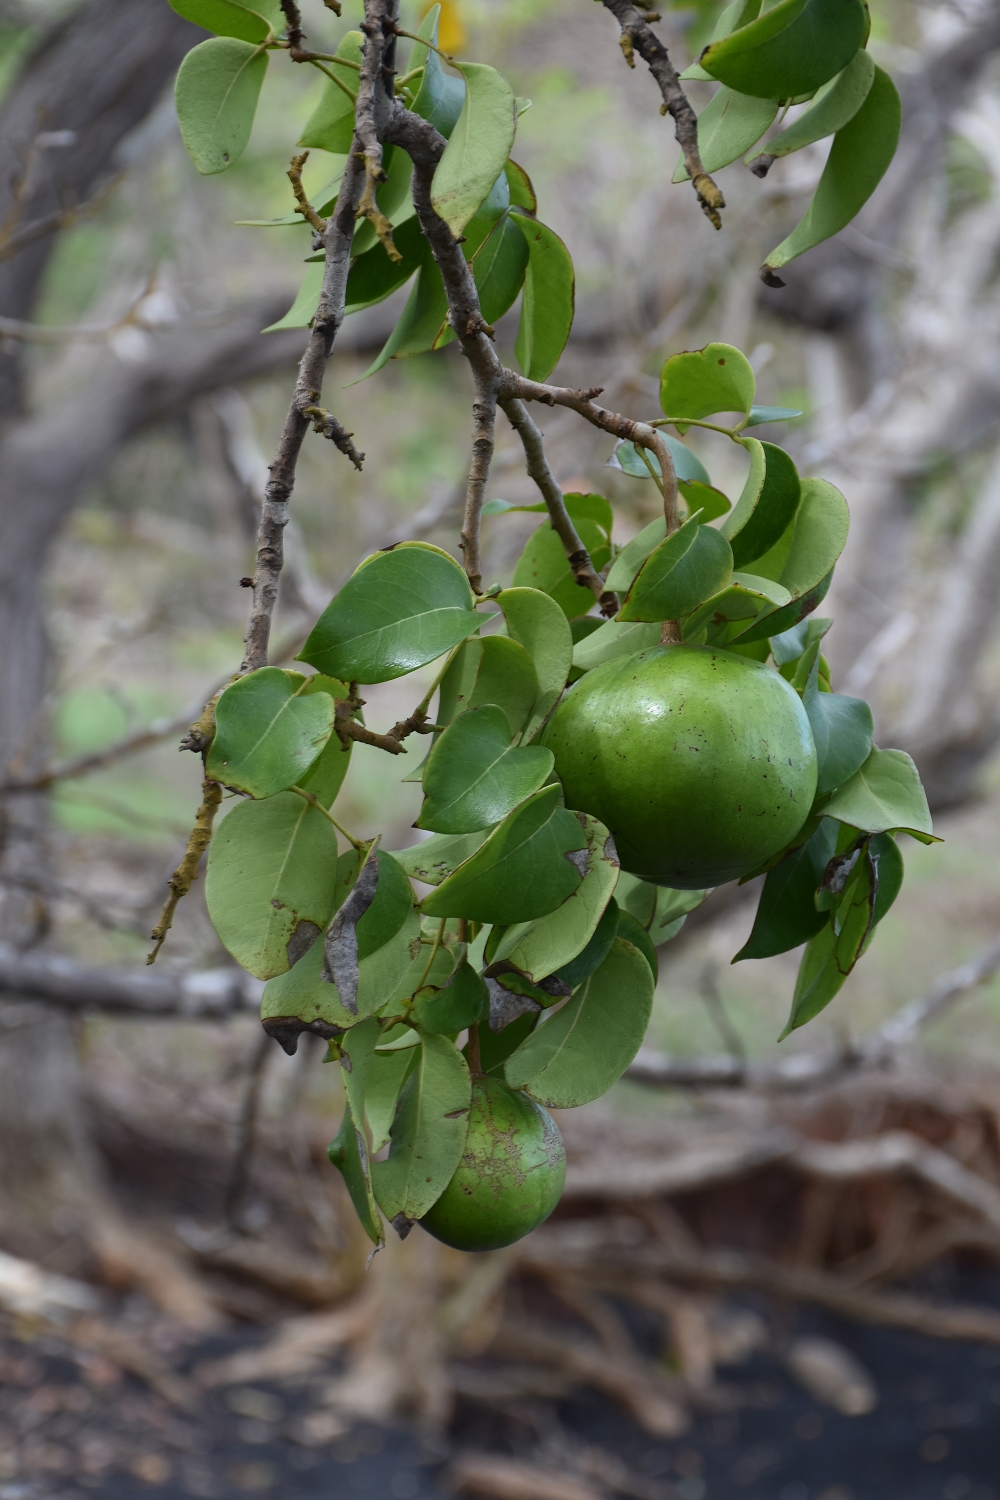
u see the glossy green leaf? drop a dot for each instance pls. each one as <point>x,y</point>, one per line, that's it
<point>522,871</point>
<point>474,776</point>
<point>576,1054</point>
<point>357,1055</point>
<point>373,276</point>
<point>842,729</point>
<point>428,1132</point>
<point>632,931</point>
<point>767,505</point>
<point>832,953</point>
<point>266,736</point>
<point>349,1154</point>
<point>614,639</point>
<point>761,414</point>
<point>217,89</point>
<point>789,647</point>
<point>727,127</point>
<point>790,49</point>
<point>786,913</point>
<point>681,573</point>
<point>703,501</point>
<point>571,975</point>
<point>547,302</point>
<point>462,1002</point>
<point>858,160</point>
<point>498,268</point>
<point>890,871</point>
<point>303,309</point>
<point>479,146</point>
<point>537,623</point>
<point>544,565</point>
<point>440,96</point>
<point>330,127</point>
<point>539,948</point>
<point>632,556</point>
<point>804,558</point>
<point>629,459</point>
<point>700,382</point>
<point>670,913</point>
<point>326,775</point>
<point>251,22</point>
<point>389,1072</point>
<point>491,669</point>
<point>884,795</point>
<point>421,322</point>
<point>399,610</point>
<point>836,103</point>
<point>739,13</point>
<point>743,598</point>
<point>438,857</point>
<point>270,886</point>
<point>594,508</point>
<point>522,193</point>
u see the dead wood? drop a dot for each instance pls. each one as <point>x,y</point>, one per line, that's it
<point>509,1479</point>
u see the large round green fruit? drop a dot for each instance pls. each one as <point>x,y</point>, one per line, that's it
<point>511,1173</point>
<point>700,762</point>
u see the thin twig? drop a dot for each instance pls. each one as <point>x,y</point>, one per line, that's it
<point>305,208</point>
<point>638,36</point>
<point>584,572</point>
<point>186,873</point>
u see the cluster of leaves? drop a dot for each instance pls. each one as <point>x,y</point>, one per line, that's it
<point>481,194</point>
<point>529,931</point>
<point>772,57</point>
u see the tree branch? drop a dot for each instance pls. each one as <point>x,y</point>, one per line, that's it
<point>208,995</point>
<point>638,36</point>
<point>186,873</point>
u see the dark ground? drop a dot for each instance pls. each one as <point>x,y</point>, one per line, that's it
<point>73,1426</point>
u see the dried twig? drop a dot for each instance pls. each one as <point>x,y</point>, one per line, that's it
<point>209,995</point>
<point>638,36</point>
<point>186,872</point>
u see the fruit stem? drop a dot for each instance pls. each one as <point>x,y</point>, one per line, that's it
<point>670,635</point>
<point>472,1052</point>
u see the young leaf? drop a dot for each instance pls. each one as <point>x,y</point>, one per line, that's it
<point>835,104</point>
<point>494,669</point>
<point>251,22</point>
<point>767,505</point>
<point>399,610</point>
<point>832,953</point>
<point>540,948</point>
<point>266,736</point>
<point>499,267</point>
<point>462,1002</point>
<point>440,96</point>
<point>547,302</point>
<point>786,913</point>
<point>271,881</point>
<point>761,414</point>
<point>743,598</point>
<point>790,49</point>
<point>479,146</point>
<point>728,126</point>
<point>522,871</point>
<point>303,309</point>
<point>701,382</point>
<point>858,160</point>
<point>428,1132</point>
<point>614,639</point>
<point>804,558</point>
<point>522,194</point>
<point>544,565</point>
<point>349,1154</point>
<point>681,573</point>
<point>474,776</point>
<point>538,624</point>
<point>576,1054</point>
<point>438,857</point>
<point>389,1073</point>
<point>217,89</point>
<point>330,127</point>
<point>687,465</point>
<point>883,796</point>
<point>842,729</point>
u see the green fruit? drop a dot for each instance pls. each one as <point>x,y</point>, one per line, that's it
<point>700,762</point>
<point>511,1173</point>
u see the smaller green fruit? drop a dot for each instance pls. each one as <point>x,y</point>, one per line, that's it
<point>510,1177</point>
